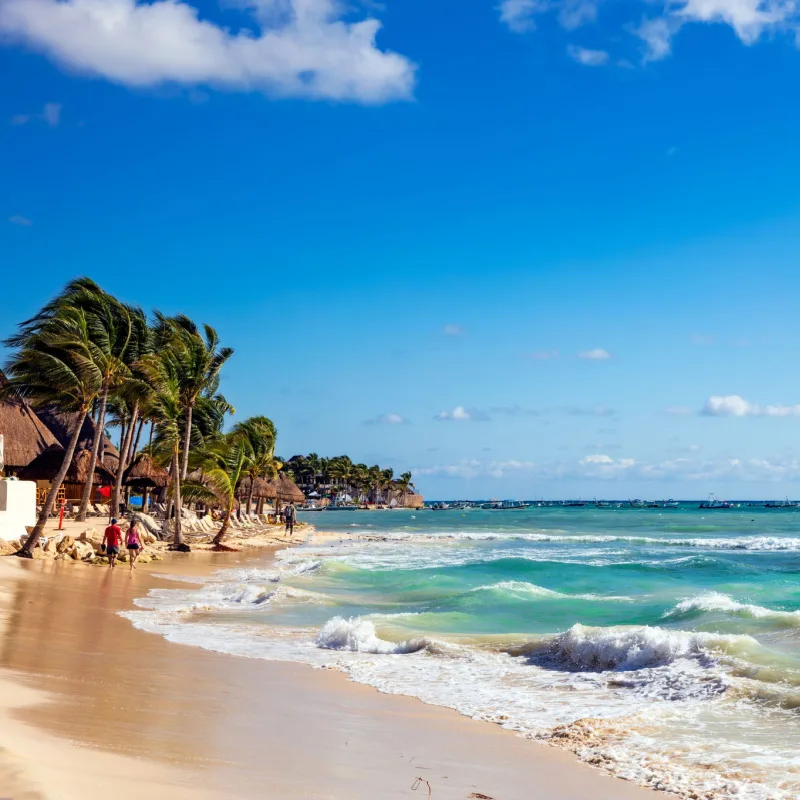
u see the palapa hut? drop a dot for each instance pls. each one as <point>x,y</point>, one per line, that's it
<point>144,476</point>
<point>25,436</point>
<point>262,490</point>
<point>43,470</point>
<point>62,424</point>
<point>286,490</point>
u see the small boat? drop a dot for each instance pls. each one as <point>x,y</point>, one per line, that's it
<point>601,503</point>
<point>507,505</point>
<point>573,504</point>
<point>442,507</point>
<point>787,503</point>
<point>669,503</point>
<point>637,503</point>
<point>713,504</point>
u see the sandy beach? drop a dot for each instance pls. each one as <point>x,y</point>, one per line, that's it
<point>90,705</point>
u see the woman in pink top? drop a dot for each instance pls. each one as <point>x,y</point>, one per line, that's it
<point>133,543</point>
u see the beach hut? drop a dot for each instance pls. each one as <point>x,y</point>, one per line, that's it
<point>62,424</point>
<point>44,467</point>
<point>25,436</point>
<point>144,476</point>
<point>286,490</point>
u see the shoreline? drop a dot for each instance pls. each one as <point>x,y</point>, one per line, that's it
<point>107,706</point>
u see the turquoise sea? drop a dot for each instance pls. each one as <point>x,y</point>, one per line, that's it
<point>662,645</point>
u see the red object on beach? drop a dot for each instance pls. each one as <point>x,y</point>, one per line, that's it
<point>104,491</point>
<point>61,514</point>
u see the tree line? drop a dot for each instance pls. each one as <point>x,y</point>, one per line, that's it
<point>88,353</point>
<point>340,475</point>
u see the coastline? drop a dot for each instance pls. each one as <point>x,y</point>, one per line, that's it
<point>91,704</point>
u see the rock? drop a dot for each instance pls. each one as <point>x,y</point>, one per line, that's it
<point>148,537</point>
<point>99,560</point>
<point>144,558</point>
<point>66,544</point>
<point>50,545</point>
<point>81,551</point>
<point>122,557</point>
<point>156,557</point>
<point>90,535</point>
<point>7,548</point>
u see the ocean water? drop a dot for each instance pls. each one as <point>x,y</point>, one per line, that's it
<point>662,645</point>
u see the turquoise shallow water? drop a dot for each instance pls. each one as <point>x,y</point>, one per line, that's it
<point>662,645</point>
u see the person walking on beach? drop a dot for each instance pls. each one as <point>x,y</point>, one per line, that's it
<point>290,515</point>
<point>133,543</point>
<point>111,541</point>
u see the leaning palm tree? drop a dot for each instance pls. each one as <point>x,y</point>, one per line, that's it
<point>386,483</point>
<point>201,359</point>
<point>222,463</point>
<point>55,364</point>
<point>109,328</point>
<point>260,433</point>
<point>166,410</point>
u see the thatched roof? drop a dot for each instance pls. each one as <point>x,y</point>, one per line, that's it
<point>286,489</point>
<point>62,424</point>
<point>25,435</point>
<point>45,467</point>
<point>143,473</point>
<point>261,488</point>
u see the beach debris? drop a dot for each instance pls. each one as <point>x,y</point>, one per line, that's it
<point>418,784</point>
<point>479,796</point>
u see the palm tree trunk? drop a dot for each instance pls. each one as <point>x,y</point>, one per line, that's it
<point>86,497</point>
<point>250,495</point>
<point>123,456</point>
<point>187,443</point>
<point>26,551</point>
<point>136,441</point>
<point>224,529</point>
<point>177,539</point>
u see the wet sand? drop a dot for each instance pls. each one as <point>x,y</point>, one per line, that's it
<point>91,707</point>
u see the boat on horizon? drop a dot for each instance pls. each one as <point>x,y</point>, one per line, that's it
<point>787,503</point>
<point>713,504</point>
<point>506,505</point>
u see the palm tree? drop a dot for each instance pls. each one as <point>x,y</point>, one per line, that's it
<point>402,484</point>
<point>386,480</point>
<point>56,364</point>
<point>109,328</point>
<point>200,361</point>
<point>260,433</point>
<point>223,463</point>
<point>166,410</point>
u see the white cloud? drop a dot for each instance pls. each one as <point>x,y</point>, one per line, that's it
<point>575,13</point>
<point>589,58</point>
<point>519,14</point>
<point>50,114</point>
<point>298,48</point>
<point>18,219</point>
<point>657,36</point>
<point>453,330</point>
<point>598,354</point>
<point>732,405</point>
<point>461,414</point>
<point>387,419</point>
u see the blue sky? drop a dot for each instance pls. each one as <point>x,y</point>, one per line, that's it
<point>412,219</point>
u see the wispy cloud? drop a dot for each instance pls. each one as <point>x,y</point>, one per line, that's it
<point>18,219</point>
<point>732,405</point>
<point>50,114</point>
<point>461,414</point>
<point>296,48</point>
<point>387,419</point>
<point>453,330</point>
<point>519,15</point>
<point>598,354</point>
<point>587,57</point>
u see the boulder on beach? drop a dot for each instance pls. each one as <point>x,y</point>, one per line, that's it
<point>66,544</point>
<point>82,551</point>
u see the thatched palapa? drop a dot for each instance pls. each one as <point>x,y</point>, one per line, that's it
<point>262,489</point>
<point>46,466</point>
<point>144,474</point>
<point>286,490</point>
<point>25,436</point>
<point>62,424</point>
